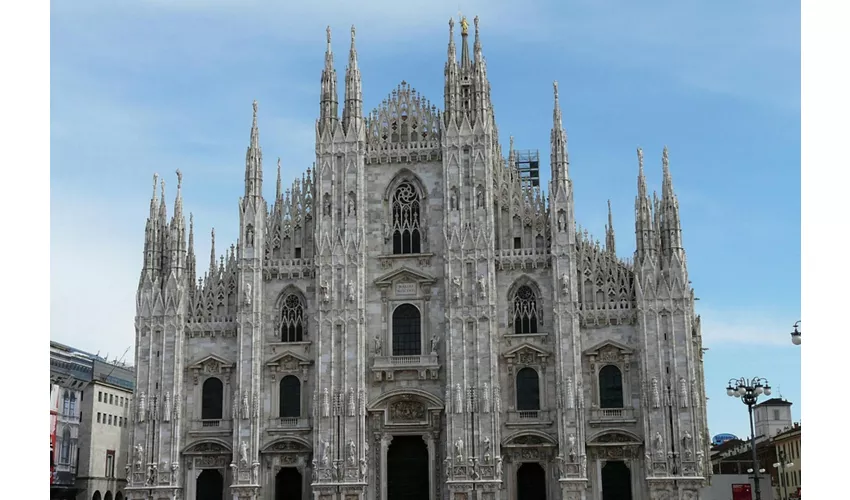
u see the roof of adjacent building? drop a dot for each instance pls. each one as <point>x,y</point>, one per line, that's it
<point>775,402</point>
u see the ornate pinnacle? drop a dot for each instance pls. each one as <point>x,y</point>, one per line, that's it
<point>328,31</point>
<point>180,177</point>
<point>475,21</point>
<point>352,35</point>
<point>155,181</point>
<point>255,108</point>
<point>640,158</point>
<point>665,160</point>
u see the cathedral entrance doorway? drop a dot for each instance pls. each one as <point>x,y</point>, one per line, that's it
<point>287,484</point>
<point>531,482</point>
<point>408,469</point>
<point>616,481</point>
<point>209,485</point>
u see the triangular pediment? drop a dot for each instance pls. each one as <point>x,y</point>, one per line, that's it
<point>404,274</point>
<point>608,345</point>
<point>289,358</point>
<point>525,350</point>
<point>211,364</point>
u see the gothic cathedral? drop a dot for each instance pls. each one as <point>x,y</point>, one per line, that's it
<point>410,321</point>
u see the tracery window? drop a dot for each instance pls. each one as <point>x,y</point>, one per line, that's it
<point>525,310</point>
<point>66,403</point>
<point>407,331</point>
<point>406,208</point>
<point>292,323</point>
<point>527,390</point>
<point>610,387</point>
<point>290,397</point>
<point>65,451</point>
<point>212,399</point>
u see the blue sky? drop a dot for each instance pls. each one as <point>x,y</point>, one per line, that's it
<point>152,86</point>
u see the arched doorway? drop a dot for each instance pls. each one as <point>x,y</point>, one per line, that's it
<point>287,484</point>
<point>108,496</point>
<point>616,481</point>
<point>408,469</point>
<point>119,496</point>
<point>210,485</point>
<point>531,482</point>
<point>96,496</point>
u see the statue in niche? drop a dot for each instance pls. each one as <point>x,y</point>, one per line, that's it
<point>486,446</point>
<point>137,455</point>
<point>562,221</point>
<point>255,473</point>
<point>434,343</point>
<point>378,347</point>
<point>482,287</point>
<point>350,289</point>
<point>363,469</point>
<point>246,410</point>
<point>656,396</point>
<point>327,205</point>
<point>243,454</point>
<point>249,236</point>
<point>152,474</point>
<point>326,404</point>
<point>325,289</point>
<point>387,231</point>
<point>686,444</point>
<point>485,398</point>
<point>314,471</point>
<point>453,199</point>
<point>352,451</point>
<point>572,447</point>
<point>700,455</point>
<point>352,206</point>
<point>683,392</point>
<point>479,197</point>
<point>166,407</point>
<point>498,467</point>
<point>583,466</point>
<point>247,294</point>
<point>458,399</point>
<point>324,451</point>
<point>565,284</point>
<point>459,450</point>
<point>141,408</point>
<point>659,447</point>
<point>456,288</point>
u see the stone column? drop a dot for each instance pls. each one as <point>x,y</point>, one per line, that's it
<point>386,439</point>
<point>429,443</point>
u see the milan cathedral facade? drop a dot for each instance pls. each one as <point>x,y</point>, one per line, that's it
<point>409,321</point>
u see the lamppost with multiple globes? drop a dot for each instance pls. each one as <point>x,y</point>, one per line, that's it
<point>795,335</point>
<point>749,390</point>
<point>782,465</point>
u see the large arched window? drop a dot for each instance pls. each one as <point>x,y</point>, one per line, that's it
<point>527,390</point>
<point>72,407</point>
<point>292,323</point>
<point>525,310</point>
<point>610,387</point>
<point>212,399</point>
<point>66,403</point>
<point>407,331</point>
<point>290,397</point>
<point>406,208</point>
<point>65,450</point>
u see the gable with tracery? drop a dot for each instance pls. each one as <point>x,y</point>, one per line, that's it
<point>404,122</point>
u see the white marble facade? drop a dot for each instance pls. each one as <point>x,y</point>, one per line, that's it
<point>410,297</point>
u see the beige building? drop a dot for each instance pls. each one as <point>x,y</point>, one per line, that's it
<point>412,319</point>
<point>787,478</point>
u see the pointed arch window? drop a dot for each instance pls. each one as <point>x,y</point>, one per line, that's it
<point>212,399</point>
<point>610,387</point>
<point>292,322</point>
<point>525,310</point>
<point>407,331</point>
<point>72,407</point>
<point>527,390</point>
<point>290,397</point>
<point>66,403</point>
<point>406,213</point>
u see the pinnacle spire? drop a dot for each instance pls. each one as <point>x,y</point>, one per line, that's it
<point>190,256</point>
<point>329,99</point>
<point>254,162</point>
<point>609,232</point>
<point>465,64</point>
<point>644,223</point>
<point>641,176</point>
<point>560,162</point>
<point>452,55</point>
<point>178,201</point>
<point>154,199</point>
<point>212,252</point>
<point>277,190</point>
<point>352,112</point>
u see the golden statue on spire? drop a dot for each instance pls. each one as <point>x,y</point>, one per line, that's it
<point>464,26</point>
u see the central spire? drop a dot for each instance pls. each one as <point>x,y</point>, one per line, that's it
<point>352,112</point>
<point>330,100</point>
<point>465,63</point>
<point>560,162</point>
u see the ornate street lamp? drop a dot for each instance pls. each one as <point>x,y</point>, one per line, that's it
<point>749,392</point>
<point>782,465</point>
<point>795,335</point>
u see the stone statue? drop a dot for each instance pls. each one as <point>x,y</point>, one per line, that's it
<point>659,447</point>
<point>352,451</point>
<point>700,456</point>
<point>246,410</point>
<point>378,348</point>
<point>479,197</point>
<point>363,469</point>
<point>434,342</point>
<point>255,473</point>
<point>485,398</point>
<point>686,444</point>
<point>350,288</point>
<point>498,467</point>
<point>565,284</point>
<point>683,392</point>
<point>486,444</point>
<point>166,407</point>
<point>141,408</point>
<point>352,404</point>
<point>562,222</point>
<point>327,209</point>
<point>152,470</point>
<point>583,466</point>
<point>137,455</point>
<point>448,464</point>
<point>571,397</point>
<point>243,454</point>
<point>459,449</point>
<point>314,471</point>
<point>482,287</point>
<point>458,399</point>
<point>326,295</point>
<point>324,448</point>
<point>456,288</point>
<point>247,294</point>
<point>249,236</point>
<point>497,399</point>
<point>326,404</point>
<point>352,209</point>
<point>453,199</point>
<point>571,441</point>
<point>656,396</point>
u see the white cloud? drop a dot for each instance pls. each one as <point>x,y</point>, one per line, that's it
<point>747,325</point>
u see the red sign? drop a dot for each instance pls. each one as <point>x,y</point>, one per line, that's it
<point>742,492</point>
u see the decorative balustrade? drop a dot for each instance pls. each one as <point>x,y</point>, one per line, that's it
<point>385,367</point>
<point>523,258</point>
<point>529,418</point>
<point>286,424</point>
<point>599,416</point>
<point>210,426</point>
